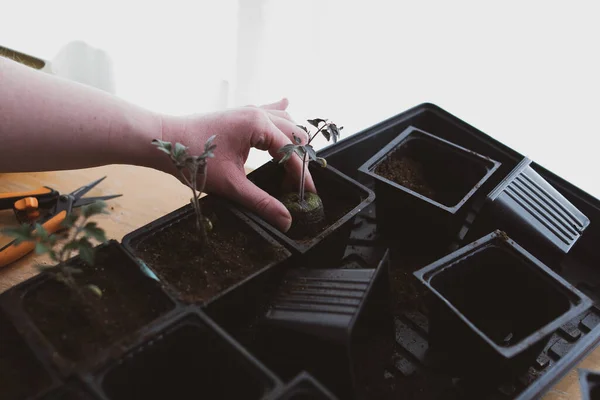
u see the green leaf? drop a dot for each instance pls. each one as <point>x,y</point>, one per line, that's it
<point>335,132</point>
<point>303,128</point>
<point>180,151</point>
<point>95,208</point>
<point>325,132</point>
<point>315,122</point>
<point>92,230</point>
<point>86,251</point>
<point>300,150</point>
<point>94,289</point>
<point>209,146</point>
<point>312,154</point>
<point>41,248</point>
<point>70,220</point>
<point>297,139</point>
<point>163,146</point>
<point>286,157</point>
<point>286,148</point>
<point>22,233</point>
<point>40,232</point>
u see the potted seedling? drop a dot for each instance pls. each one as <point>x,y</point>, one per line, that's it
<point>321,221</point>
<point>204,251</point>
<point>306,208</point>
<point>81,306</point>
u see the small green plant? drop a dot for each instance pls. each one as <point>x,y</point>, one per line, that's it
<point>306,209</point>
<point>194,166</point>
<point>76,235</point>
<point>306,152</point>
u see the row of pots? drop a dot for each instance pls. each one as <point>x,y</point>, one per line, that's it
<point>294,308</point>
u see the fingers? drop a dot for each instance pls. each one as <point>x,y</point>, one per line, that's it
<point>276,139</point>
<point>261,203</point>
<point>278,105</point>
<point>288,128</point>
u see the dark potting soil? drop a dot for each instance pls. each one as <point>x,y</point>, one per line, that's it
<point>234,252</point>
<point>80,325</point>
<point>21,375</point>
<point>407,172</point>
<point>335,207</point>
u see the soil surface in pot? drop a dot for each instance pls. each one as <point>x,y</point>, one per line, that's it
<point>234,252</point>
<point>80,325</point>
<point>338,198</point>
<point>407,172</point>
<point>21,375</point>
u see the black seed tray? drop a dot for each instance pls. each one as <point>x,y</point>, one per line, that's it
<point>414,370</point>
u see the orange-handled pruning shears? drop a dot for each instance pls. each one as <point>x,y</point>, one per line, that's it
<point>27,204</point>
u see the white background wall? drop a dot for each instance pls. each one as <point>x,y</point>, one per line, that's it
<point>525,72</point>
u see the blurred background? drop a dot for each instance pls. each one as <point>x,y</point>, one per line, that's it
<point>525,73</point>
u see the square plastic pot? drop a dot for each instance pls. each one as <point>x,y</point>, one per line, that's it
<point>319,317</point>
<point>444,180</point>
<point>495,305</point>
<point>62,330</point>
<point>343,198</point>
<point>303,387</point>
<point>191,358</point>
<point>534,213</point>
<point>589,384</point>
<point>229,307</point>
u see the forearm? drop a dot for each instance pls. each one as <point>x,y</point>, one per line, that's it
<point>49,123</point>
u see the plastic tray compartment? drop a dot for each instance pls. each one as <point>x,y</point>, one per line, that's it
<point>191,357</point>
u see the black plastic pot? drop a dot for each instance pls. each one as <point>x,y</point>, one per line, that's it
<point>534,213</point>
<point>303,387</point>
<point>320,317</point>
<point>229,307</point>
<point>49,314</point>
<point>444,179</point>
<point>23,375</point>
<point>336,190</point>
<point>191,358</point>
<point>589,384</point>
<point>496,305</point>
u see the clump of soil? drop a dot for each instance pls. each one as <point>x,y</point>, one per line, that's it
<point>407,294</point>
<point>21,375</point>
<point>407,172</point>
<point>80,325</point>
<point>233,253</point>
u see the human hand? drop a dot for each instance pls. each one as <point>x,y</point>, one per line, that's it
<point>268,127</point>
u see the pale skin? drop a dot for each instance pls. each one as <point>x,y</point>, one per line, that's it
<point>49,123</point>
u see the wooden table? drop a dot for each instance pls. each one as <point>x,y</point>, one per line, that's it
<point>147,195</point>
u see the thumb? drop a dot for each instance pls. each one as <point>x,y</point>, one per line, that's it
<point>278,105</point>
<point>263,204</point>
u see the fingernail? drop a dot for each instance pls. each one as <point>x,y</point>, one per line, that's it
<point>286,223</point>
